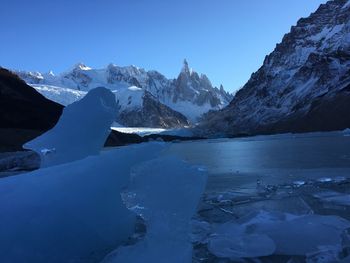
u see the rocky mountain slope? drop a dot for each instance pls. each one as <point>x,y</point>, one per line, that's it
<point>24,112</point>
<point>176,102</point>
<point>303,85</point>
<point>23,107</point>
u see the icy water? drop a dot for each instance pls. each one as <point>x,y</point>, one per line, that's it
<point>256,185</point>
<point>238,164</point>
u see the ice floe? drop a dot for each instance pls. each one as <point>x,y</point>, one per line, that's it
<point>165,192</point>
<point>81,130</point>
<point>71,212</point>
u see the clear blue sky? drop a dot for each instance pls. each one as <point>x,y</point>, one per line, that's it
<point>225,39</point>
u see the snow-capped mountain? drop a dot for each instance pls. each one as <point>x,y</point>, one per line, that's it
<point>175,102</point>
<point>303,85</point>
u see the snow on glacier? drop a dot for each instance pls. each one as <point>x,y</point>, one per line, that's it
<point>71,212</point>
<point>192,111</point>
<point>81,130</point>
<point>165,192</point>
<point>63,96</point>
<point>142,131</point>
<point>129,98</point>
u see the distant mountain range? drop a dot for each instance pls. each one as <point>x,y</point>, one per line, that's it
<point>26,114</point>
<point>302,86</point>
<point>145,98</point>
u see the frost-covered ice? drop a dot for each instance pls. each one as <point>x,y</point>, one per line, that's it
<point>165,192</point>
<point>71,212</point>
<point>81,130</point>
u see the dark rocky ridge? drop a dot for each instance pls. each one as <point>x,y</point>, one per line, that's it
<point>22,107</point>
<point>24,113</point>
<point>303,85</point>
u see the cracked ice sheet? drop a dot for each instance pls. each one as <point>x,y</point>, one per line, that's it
<point>71,212</point>
<point>281,234</point>
<point>333,197</point>
<point>166,193</point>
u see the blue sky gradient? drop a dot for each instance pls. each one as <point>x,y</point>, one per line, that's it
<point>225,39</point>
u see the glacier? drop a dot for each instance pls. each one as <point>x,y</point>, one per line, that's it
<point>63,96</point>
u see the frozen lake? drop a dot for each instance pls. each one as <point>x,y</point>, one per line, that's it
<point>255,184</point>
<point>237,164</point>
<point>264,194</point>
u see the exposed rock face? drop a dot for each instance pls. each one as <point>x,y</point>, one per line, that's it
<point>190,94</point>
<point>24,113</point>
<point>152,114</point>
<point>190,86</point>
<point>303,85</point>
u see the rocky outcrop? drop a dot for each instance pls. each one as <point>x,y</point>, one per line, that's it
<point>190,86</point>
<point>152,113</point>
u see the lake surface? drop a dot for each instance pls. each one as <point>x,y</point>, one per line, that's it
<point>268,179</point>
<point>239,164</point>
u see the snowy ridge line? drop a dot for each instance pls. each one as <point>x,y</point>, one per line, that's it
<point>190,94</point>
